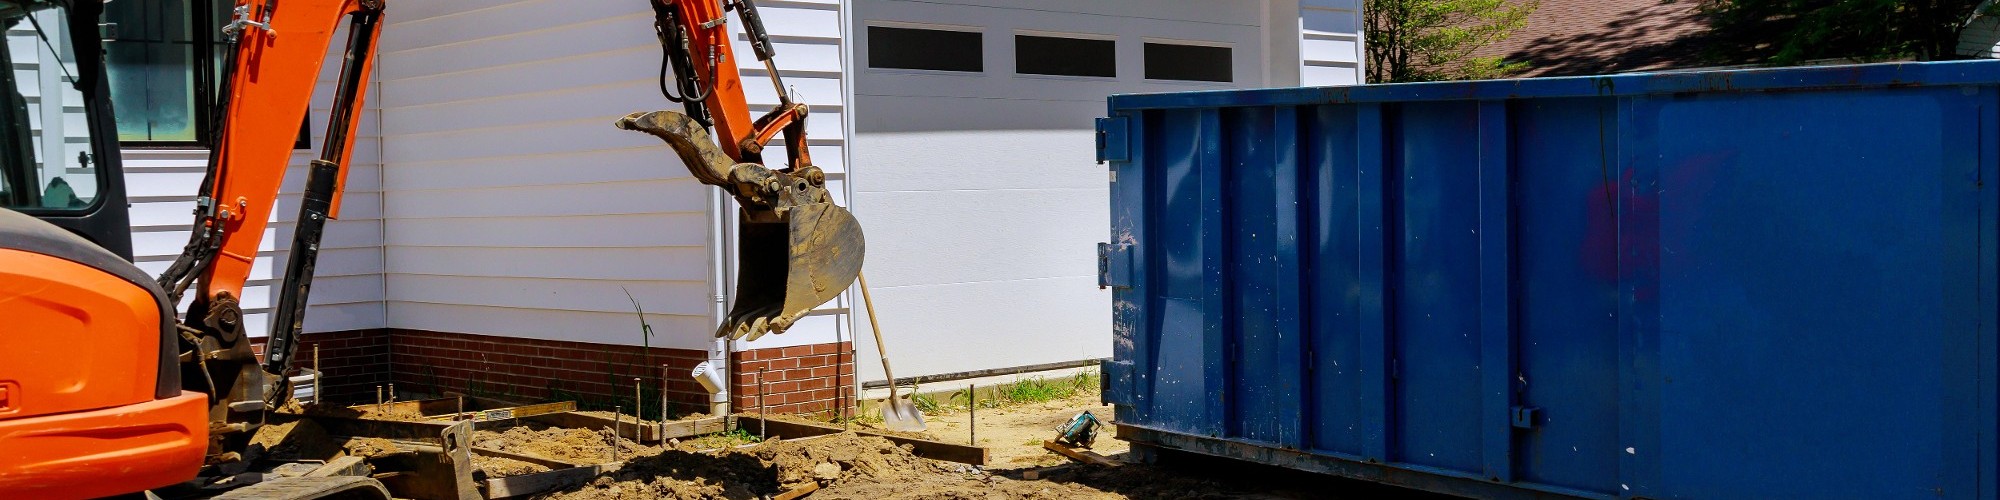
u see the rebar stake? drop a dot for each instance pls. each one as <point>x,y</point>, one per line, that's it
<point>318,394</point>
<point>972,413</point>
<point>378,397</point>
<point>614,442</point>
<point>638,407</point>
<point>761,389</point>
<point>663,402</point>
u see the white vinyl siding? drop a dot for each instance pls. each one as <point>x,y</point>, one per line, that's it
<point>1330,42</point>
<point>515,208</point>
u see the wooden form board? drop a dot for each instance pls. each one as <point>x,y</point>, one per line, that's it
<point>1085,456</point>
<point>648,432</point>
<point>541,482</point>
<point>934,450</point>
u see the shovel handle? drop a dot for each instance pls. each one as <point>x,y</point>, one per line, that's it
<point>882,350</point>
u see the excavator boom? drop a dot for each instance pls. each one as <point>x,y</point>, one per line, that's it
<point>269,74</point>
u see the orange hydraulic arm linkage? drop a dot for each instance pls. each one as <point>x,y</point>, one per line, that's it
<point>277,50</point>
<point>697,29</point>
<point>796,249</point>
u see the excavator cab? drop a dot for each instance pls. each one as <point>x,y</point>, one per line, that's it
<point>69,179</point>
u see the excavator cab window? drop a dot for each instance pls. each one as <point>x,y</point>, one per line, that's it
<point>46,160</point>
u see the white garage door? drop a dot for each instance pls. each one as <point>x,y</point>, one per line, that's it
<point>973,170</point>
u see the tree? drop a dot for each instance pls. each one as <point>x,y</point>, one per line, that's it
<point>1429,40</point>
<point>1784,32</point>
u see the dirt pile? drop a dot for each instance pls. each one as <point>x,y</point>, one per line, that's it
<point>484,467</point>
<point>306,440</point>
<point>301,439</point>
<point>577,446</point>
<point>370,447</point>
<point>679,474</point>
<point>846,465</point>
<point>395,412</point>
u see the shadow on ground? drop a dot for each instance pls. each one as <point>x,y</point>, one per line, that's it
<point>681,474</point>
<point>1194,476</point>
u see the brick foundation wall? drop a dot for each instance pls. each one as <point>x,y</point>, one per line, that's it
<point>352,362</point>
<point>801,379</point>
<point>596,376</point>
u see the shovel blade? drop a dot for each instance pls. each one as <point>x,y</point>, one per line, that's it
<point>789,263</point>
<point>901,416</point>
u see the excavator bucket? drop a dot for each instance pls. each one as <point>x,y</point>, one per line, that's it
<point>786,268</point>
<point>795,248</point>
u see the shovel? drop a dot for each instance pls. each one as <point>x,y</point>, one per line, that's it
<point>899,414</point>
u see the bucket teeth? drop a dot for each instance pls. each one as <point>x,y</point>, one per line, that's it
<point>796,249</point>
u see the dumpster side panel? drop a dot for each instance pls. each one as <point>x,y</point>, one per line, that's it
<point>1267,376</point>
<point>1434,221</point>
<point>1806,286</point>
<point>1332,279</point>
<point>1566,258</point>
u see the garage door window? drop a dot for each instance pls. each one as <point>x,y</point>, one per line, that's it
<point>1064,56</point>
<point>1200,63</point>
<point>926,49</point>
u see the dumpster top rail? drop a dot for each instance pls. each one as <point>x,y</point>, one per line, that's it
<point>1669,82</point>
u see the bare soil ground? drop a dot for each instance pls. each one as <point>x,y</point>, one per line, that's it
<point>1015,433</point>
<point>851,466</point>
<point>577,446</point>
<point>306,440</point>
<point>489,467</point>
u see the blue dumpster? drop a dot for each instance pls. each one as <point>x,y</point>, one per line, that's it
<point>1774,283</point>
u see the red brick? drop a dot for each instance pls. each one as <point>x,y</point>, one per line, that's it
<point>823,394</point>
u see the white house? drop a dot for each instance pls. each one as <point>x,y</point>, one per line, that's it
<point>495,221</point>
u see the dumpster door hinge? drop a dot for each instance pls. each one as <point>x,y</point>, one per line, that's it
<point>1113,139</point>
<point>1114,265</point>
<point>1527,417</point>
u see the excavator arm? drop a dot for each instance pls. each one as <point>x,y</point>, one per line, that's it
<point>276,50</point>
<point>796,249</point>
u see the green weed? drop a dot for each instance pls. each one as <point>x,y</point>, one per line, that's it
<point>927,403</point>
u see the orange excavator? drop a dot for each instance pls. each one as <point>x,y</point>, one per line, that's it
<point>796,249</point>
<point>105,388</point>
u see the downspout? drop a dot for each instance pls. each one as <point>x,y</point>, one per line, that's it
<point>715,378</point>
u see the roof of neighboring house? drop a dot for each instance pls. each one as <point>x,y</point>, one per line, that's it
<point>1588,37</point>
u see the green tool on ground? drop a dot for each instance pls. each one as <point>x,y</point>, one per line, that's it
<point>1080,431</point>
